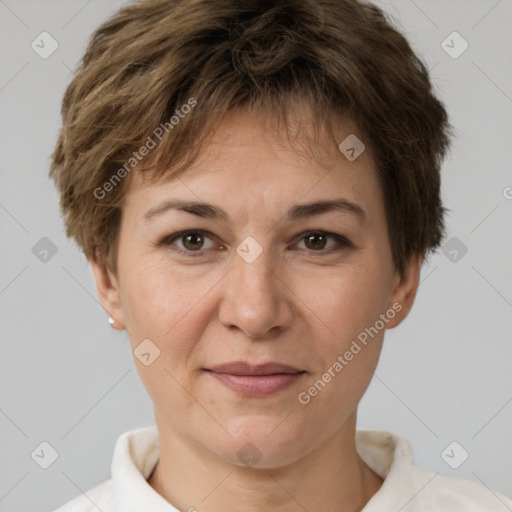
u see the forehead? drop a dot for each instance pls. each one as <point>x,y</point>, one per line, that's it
<point>247,160</point>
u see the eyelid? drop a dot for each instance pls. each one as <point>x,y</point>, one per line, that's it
<point>167,241</point>
<point>335,236</point>
<point>343,242</point>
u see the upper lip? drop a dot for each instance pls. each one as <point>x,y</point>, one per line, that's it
<point>243,368</point>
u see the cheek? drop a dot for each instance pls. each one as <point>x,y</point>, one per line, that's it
<point>348,344</point>
<point>173,311</point>
<point>163,308</point>
<point>158,299</point>
<point>346,300</point>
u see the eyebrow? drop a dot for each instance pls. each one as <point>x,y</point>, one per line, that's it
<point>299,211</point>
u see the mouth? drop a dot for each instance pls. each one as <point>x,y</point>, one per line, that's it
<point>256,380</point>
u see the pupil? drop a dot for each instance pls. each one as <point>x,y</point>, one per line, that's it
<point>194,245</point>
<point>312,239</point>
<point>315,237</point>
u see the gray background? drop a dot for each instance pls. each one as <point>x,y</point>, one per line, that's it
<point>67,378</point>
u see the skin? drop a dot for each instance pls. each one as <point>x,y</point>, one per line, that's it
<point>289,305</point>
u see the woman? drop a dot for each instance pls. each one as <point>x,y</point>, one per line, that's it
<point>256,188</point>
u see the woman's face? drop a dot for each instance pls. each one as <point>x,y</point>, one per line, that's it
<point>256,288</point>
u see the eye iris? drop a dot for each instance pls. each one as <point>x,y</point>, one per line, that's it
<point>194,241</point>
<point>315,237</point>
<point>194,245</point>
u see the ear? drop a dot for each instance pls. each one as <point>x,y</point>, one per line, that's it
<point>405,286</point>
<point>108,293</point>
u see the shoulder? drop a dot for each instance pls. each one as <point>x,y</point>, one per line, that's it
<point>416,489</point>
<point>100,497</point>
<point>446,493</point>
<point>135,454</point>
<point>410,488</point>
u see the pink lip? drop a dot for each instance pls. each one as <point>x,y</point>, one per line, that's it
<point>242,368</point>
<point>256,381</point>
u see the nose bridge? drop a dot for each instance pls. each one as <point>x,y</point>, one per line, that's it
<point>256,299</point>
<point>254,268</point>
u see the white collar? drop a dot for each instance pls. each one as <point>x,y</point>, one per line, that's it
<point>406,487</point>
<point>137,452</point>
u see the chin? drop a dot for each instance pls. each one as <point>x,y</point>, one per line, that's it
<point>260,441</point>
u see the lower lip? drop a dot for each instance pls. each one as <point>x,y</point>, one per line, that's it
<point>257,385</point>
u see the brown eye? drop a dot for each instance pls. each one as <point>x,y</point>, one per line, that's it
<point>316,241</point>
<point>192,241</point>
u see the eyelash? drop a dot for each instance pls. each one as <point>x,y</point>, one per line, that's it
<point>343,242</point>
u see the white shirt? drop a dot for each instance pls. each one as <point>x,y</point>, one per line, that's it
<point>406,487</point>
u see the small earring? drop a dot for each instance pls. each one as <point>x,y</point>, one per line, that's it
<point>110,320</point>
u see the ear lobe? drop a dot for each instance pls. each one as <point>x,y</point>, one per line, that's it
<point>404,290</point>
<point>108,293</point>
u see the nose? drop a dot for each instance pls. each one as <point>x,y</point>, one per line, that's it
<point>256,298</point>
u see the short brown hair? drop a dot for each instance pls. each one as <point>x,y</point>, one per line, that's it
<point>343,57</point>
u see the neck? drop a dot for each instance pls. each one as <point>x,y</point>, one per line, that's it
<point>331,477</point>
